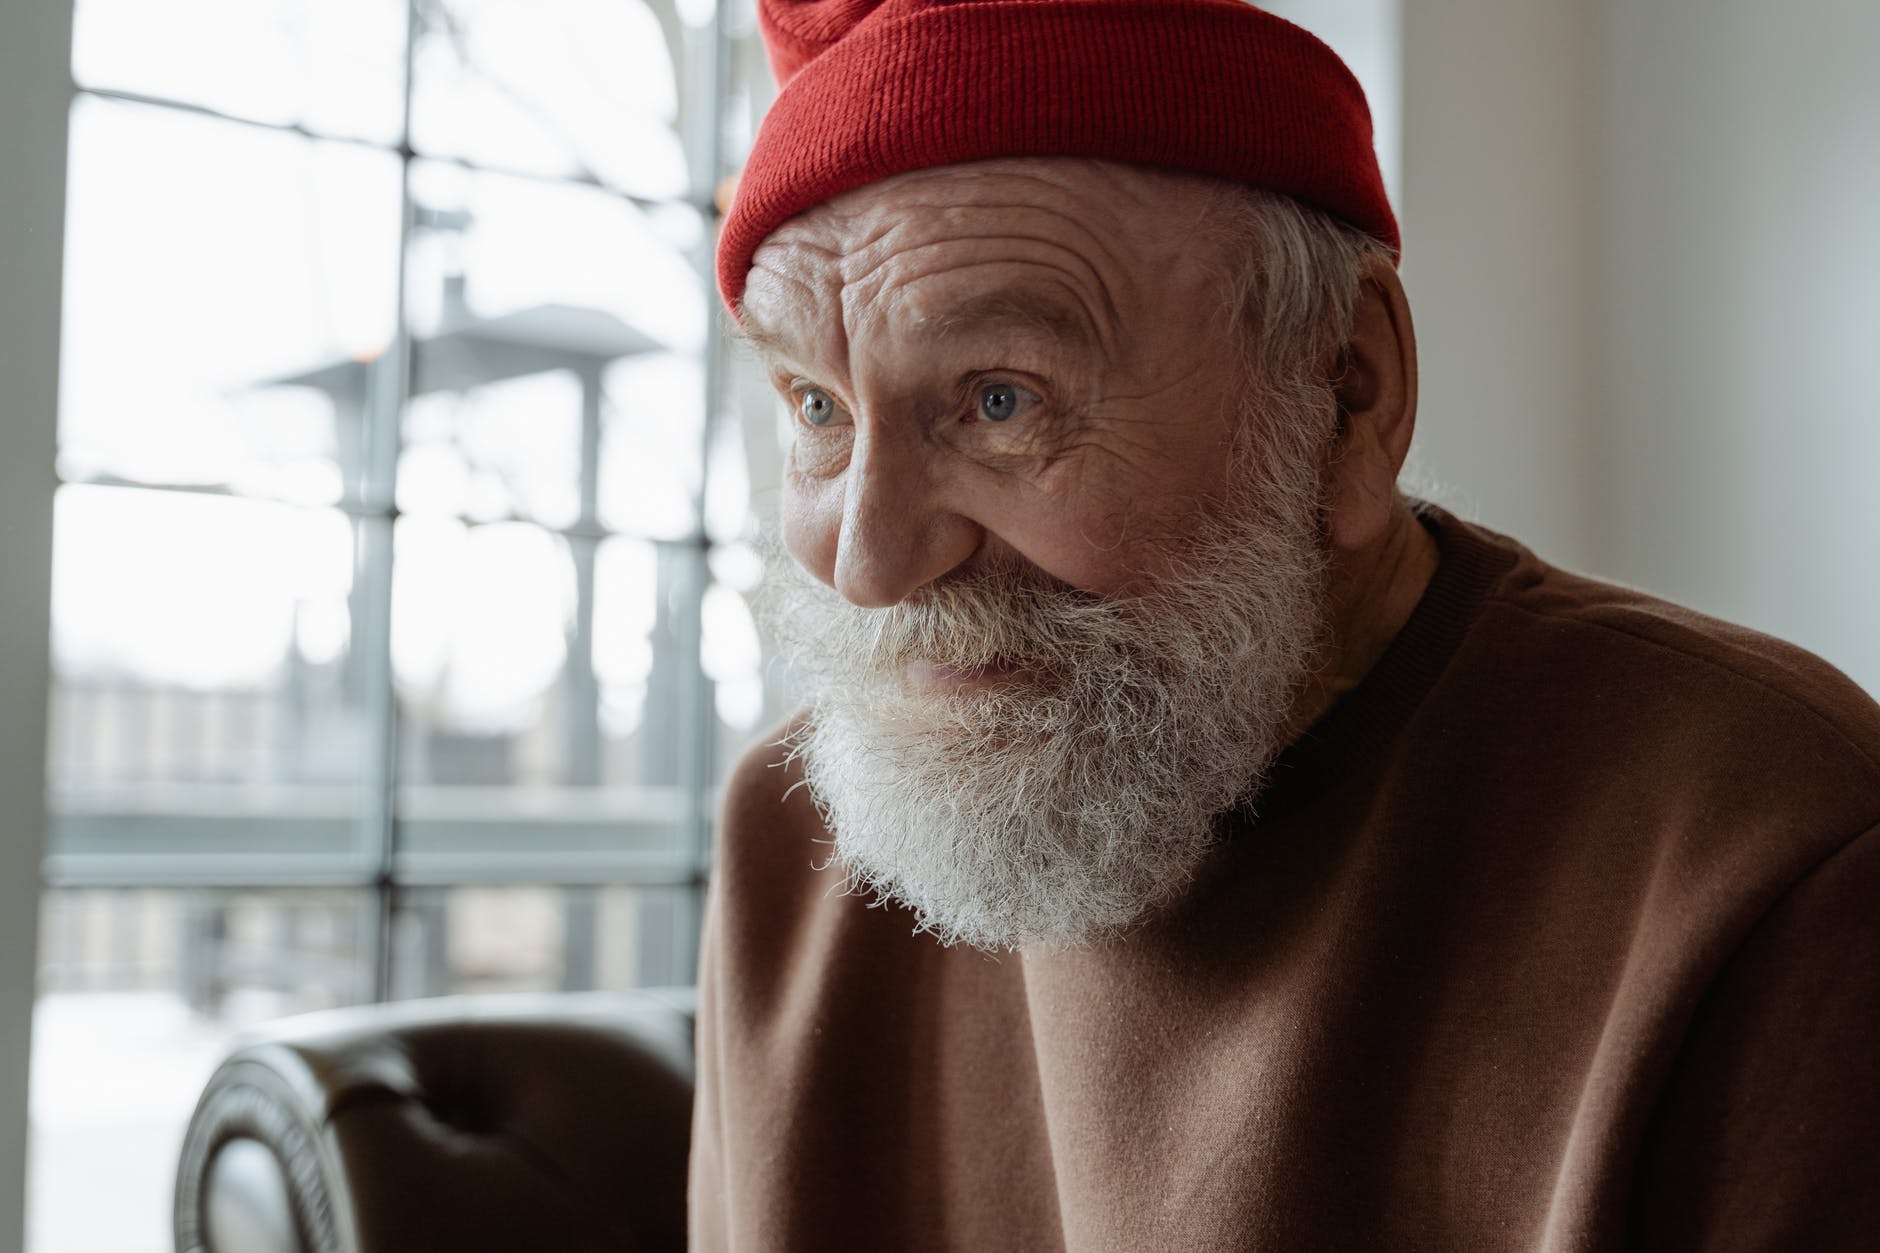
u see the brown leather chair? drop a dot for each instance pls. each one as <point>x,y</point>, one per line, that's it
<point>553,1123</point>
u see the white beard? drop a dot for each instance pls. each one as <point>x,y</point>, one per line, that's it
<point>1056,807</point>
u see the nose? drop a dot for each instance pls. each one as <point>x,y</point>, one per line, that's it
<point>898,532</point>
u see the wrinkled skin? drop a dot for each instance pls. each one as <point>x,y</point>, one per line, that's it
<point>1027,359</point>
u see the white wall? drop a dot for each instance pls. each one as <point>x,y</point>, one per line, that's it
<point>1643,249</point>
<point>1742,314</point>
<point>1500,191</point>
<point>34,86</point>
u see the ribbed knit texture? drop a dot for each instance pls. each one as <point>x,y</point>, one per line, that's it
<point>1209,86</point>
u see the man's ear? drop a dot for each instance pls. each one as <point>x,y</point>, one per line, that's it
<point>1375,380</point>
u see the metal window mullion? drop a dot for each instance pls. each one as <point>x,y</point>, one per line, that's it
<point>711,66</point>
<point>582,734</point>
<point>580,906</point>
<point>391,389</point>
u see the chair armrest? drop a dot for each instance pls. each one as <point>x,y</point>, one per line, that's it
<point>461,1124</point>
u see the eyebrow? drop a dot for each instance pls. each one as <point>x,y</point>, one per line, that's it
<point>1010,310</point>
<point>766,343</point>
<point>1004,310</point>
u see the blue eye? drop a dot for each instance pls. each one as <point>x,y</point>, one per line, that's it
<point>817,407</point>
<point>998,401</point>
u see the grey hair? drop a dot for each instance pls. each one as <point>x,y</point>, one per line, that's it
<point>1290,284</point>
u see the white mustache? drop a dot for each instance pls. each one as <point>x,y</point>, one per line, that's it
<point>998,615</point>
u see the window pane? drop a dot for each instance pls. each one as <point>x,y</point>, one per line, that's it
<point>480,627</point>
<point>537,939</point>
<point>505,450</point>
<point>207,695</point>
<point>652,446</point>
<point>645,610</point>
<point>141,994</point>
<point>746,454</point>
<point>555,328</point>
<point>744,701</point>
<point>566,87</point>
<point>746,458</point>
<point>561,267</point>
<point>333,66</point>
<point>226,289</point>
<point>527,743</point>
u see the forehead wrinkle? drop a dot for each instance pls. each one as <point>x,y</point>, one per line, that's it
<point>1102,255</point>
<point>1098,241</point>
<point>878,293</point>
<point>1018,300</point>
<point>973,186</point>
<point>1008,311</point>
<point>787,341</point>
<point>865,262</point>
<point>1106,298</point>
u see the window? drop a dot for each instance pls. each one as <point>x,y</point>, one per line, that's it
<point>403,530</point>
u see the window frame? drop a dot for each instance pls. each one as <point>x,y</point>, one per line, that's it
<point>386,854</point>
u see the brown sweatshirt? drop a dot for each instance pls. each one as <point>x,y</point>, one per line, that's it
<point>1561,931</point>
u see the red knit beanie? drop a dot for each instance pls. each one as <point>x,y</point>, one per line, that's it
<point>873,88</point>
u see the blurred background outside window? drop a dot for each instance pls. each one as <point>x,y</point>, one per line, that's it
<point>402,536</point>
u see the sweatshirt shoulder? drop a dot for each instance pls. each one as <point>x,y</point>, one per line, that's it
<point>767,814</point>
<point>1735,687</point>
<point>765,772</point>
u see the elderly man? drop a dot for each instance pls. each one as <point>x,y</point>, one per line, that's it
<point>1190,843</point>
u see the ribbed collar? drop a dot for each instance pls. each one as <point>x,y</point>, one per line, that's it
<point>1372,715</point>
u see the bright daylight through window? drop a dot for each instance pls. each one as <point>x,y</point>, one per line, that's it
<point>402,536</point>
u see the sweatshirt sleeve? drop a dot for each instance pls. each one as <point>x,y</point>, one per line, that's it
<point>1768,1133</point>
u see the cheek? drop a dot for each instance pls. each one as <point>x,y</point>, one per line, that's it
<point>809,518</point>
<point>1108,565</point>
<point>1084,537</point>
<point>1110,533</point>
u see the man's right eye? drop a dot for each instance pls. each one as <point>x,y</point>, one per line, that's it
<point>817,406</point>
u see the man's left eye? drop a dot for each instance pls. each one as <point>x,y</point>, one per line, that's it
<point>1000,402</point>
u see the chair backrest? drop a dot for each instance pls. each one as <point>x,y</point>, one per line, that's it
<point>466,1124</point>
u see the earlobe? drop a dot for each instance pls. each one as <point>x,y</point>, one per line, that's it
<point>1376,390</point>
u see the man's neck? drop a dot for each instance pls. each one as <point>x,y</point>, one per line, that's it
<point>1373,593</point>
